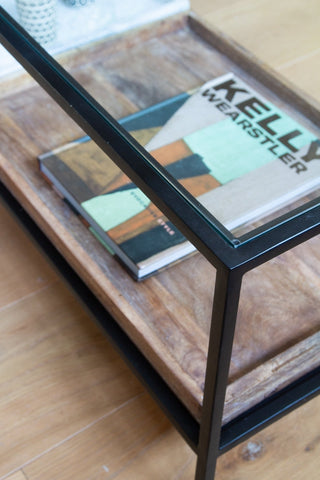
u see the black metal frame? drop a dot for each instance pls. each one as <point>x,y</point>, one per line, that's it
<point>231,257</point>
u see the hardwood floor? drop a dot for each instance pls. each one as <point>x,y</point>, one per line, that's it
<point>69,406</point>
<point>285,34</point>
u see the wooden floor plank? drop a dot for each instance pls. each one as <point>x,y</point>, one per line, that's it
<point>56,374</point>
<point>165,459</point>
<point>277,32</point>
<point>278,452</point>
<point>305,72</point>
<point>17,476</point>
<point>106,448</point>
<point>288,449</point>
<point>21,263</point>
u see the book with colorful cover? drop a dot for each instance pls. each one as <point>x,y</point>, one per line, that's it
<point>236,152</point>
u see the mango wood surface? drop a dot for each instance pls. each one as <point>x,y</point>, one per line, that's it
<point>167,316</point>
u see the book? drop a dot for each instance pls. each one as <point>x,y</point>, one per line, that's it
<point>262,158</point>
<point>80,171</point>
<point>236,152</point>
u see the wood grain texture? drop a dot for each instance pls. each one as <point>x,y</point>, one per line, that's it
<point>132,440</point>
<point>56,367</point>
<point>285,36</point>
<point>167,316</point>
<point>63,358</point>
<point>305,72</point>
<point>111,444</point>
<point>271,376</point>
<point>17,476</point>
<point>288,449</point>
<point>254,69</point>
<point>283,450</point>
<point>19,264</point>
<point>296,26</point>
<point>279,451</point>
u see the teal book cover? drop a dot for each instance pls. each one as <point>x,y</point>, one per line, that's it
<point>233,150</point>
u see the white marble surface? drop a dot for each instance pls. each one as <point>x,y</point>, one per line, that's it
<point>77,26</point>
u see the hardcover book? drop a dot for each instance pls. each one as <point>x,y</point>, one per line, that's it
<point>236,152</point>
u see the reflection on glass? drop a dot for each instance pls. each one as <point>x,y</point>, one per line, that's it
<point>239,154</point>
<point>119,214</point>
<point>59,27</point>
<point>39,18</point>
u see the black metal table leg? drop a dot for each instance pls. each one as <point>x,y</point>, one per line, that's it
<point>224,315</point>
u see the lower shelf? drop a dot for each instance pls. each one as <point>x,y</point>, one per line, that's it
<point>233,432</point>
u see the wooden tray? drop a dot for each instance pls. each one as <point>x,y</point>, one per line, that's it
<point>168,315</point>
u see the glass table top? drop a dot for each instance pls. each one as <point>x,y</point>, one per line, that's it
<point>236,152</point>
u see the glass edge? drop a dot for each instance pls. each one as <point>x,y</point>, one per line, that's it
<point>213,222</point>
<point>159,170</point>
<point>278,221</point>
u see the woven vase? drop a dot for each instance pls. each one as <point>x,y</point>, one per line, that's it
<point>38,17</point>
<point>77,3</point>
